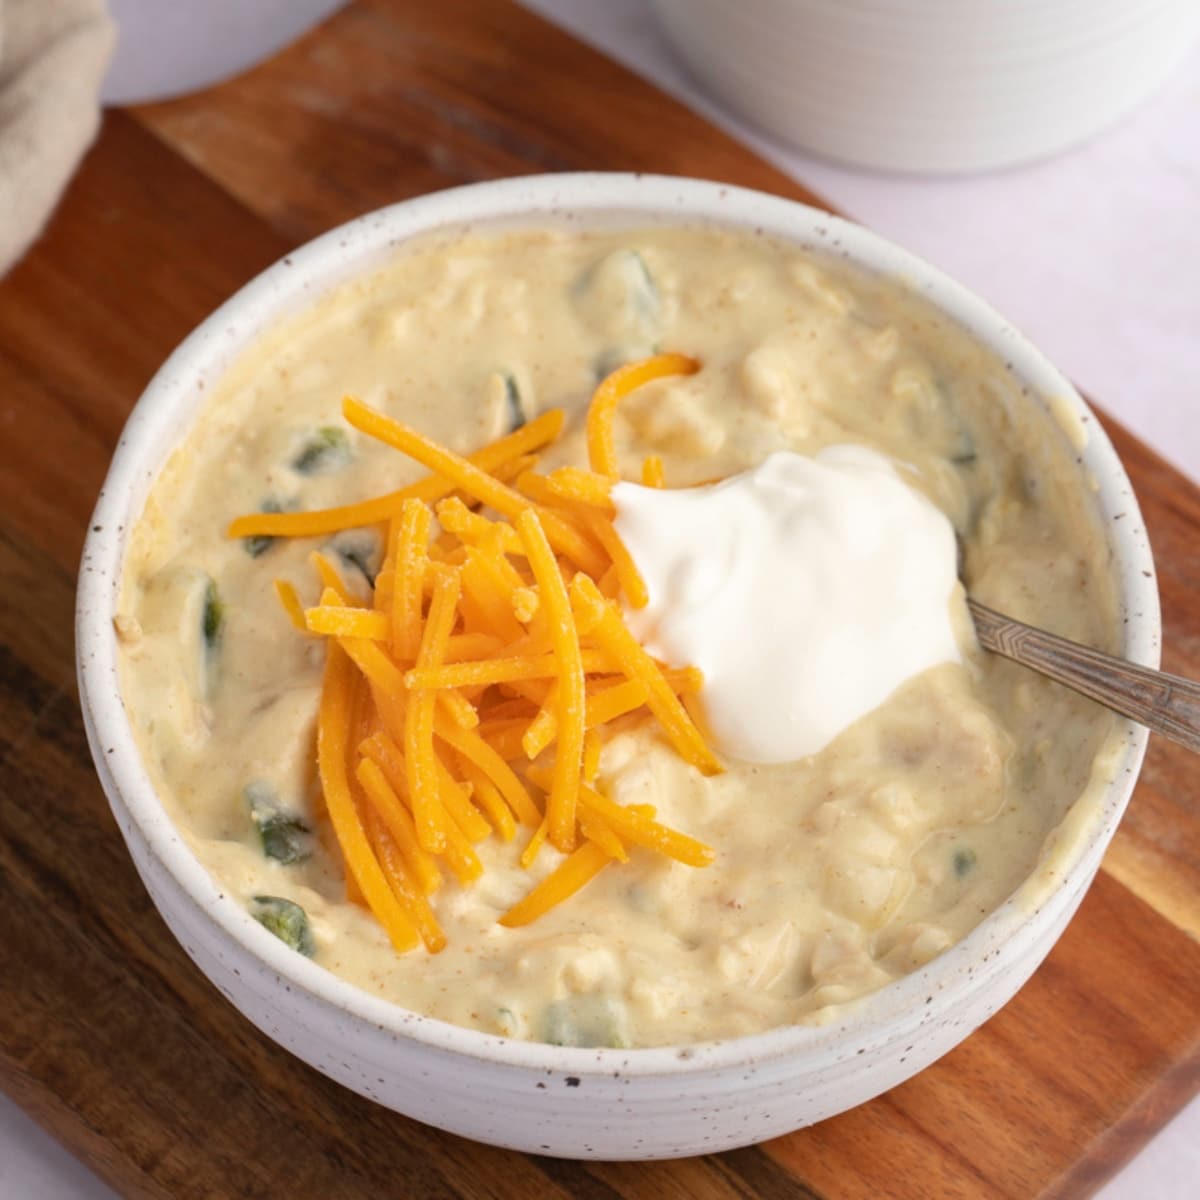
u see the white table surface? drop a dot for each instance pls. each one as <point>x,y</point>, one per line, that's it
<point>1095,254</point>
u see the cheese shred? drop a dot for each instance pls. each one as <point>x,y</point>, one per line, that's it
<point>470,695</point>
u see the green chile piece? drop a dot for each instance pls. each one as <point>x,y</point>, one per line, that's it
<point>617,356</point>
<point>358,548</point>
<point>645,291</point>
<point>284,836</point>
<point>588,1020</point>
<point>213,619</point>
<point>620,283</point>
<point>964,861</point>
<point>286,920</point>
<point>327,449</point>
<point>629,267</point>
<point>260,543</point>
<point>517,416</point>
<point>964,454</point>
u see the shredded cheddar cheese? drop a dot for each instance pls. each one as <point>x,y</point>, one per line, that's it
<point>342,621</point>
<point>532,436</point>
<point>601,444</point>
<point>290,599</point>
<point>584,487</point>
<point>483,673</point>
<point>652,472</point>
<point>423,782</point>
<point>409,554</point>
<point>361,863</point>
<point>561,884</point>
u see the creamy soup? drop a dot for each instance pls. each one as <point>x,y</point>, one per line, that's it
<point>834,874</point>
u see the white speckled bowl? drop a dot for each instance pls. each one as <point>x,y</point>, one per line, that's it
<point>597,1103</point>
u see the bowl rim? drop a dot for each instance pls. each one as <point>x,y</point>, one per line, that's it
<point>168,406</point>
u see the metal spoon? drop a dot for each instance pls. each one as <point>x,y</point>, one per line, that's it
<point>1164,703</point>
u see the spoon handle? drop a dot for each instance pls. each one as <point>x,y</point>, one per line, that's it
<point>1165,703</point>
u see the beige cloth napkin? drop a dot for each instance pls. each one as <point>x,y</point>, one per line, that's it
<point>53,55</point>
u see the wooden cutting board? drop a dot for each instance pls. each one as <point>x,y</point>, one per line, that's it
<point>108,1035</point>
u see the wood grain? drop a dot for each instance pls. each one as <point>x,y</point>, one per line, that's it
<point>88,317</point>
<point>108,1035</point>
<point>388,100</point>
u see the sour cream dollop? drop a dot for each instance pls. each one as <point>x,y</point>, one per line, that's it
<point>807,590</point>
